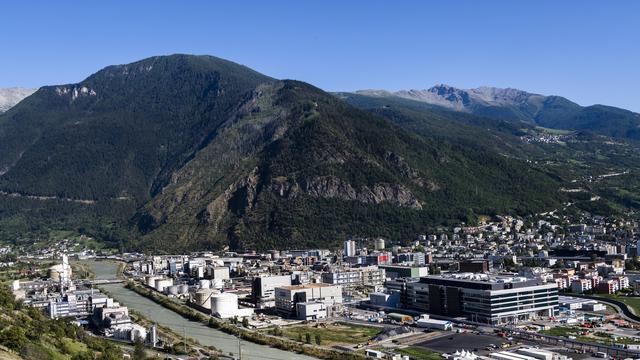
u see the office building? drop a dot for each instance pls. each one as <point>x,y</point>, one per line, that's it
<point>481,298</point>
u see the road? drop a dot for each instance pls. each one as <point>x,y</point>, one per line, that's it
<point>623,309</point>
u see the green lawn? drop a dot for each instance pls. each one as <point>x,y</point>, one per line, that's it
<point>419,353</point>
<point>597,336</point>
<point>73,347</point>
<point>632,301</point>
<point>553,131</point>
<point>338,333</point>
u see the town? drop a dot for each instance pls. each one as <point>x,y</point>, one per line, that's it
<point>506,289</point>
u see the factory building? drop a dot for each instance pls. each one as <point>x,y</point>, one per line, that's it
<point>481,298</point>
<point>263,289</point>
<point>313,310</point>
<point>218,272</point>
<point>365,276</point>
<point>61,272</point>
<point>405,271</point>
<point>287,297</point>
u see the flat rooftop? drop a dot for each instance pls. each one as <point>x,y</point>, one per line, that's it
<point>481,281</point>
<point>305,286</point>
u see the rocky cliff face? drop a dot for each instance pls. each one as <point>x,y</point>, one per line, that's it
<point>332,187</point>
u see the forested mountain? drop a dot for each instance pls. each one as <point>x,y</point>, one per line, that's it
<point>517,105</point>
<point>184,152</point>
<point>598,173</point>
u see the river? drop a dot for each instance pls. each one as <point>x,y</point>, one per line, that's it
<point>205,335</point>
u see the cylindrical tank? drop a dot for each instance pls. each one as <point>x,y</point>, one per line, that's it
<point>204,284</point>
<point>173,290</point>
<point>379,244</point>
<point>224,304</point>
<point>162,284</point>
<point>183,289</point>
<point>202,297</point>
<point>217,283</point>
<point>60,272</point>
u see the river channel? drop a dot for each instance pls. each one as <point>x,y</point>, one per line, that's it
<point>205,335</point>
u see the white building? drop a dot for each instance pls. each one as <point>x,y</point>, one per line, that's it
<point>219,272</point>
<point>263,289</point>
<point>288,296</point>
<point>363,276</point>
<point>311,310</point>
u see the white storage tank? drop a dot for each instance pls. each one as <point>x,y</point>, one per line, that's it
<point>224,304</point>
<point>162,284</point>
<point>183,289</point>
<point>204,284</point>
<point>173,290</point>
<point>202,297</point>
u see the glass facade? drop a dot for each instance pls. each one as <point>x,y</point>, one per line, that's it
<point>501,304</point>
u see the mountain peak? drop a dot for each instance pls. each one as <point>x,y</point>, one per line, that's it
<point>9,97</point>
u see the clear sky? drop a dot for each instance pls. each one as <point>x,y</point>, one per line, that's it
<point>588,51</point>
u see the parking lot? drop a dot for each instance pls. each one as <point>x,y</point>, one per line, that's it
<point>451,342</point>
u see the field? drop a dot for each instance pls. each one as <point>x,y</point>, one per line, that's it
<point>418,353</point>
<point>632,301</point>
<point>589,335</point>
<point>553,131</point>
<point>337,333</point>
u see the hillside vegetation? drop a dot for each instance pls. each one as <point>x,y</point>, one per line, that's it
<point>193,152</point>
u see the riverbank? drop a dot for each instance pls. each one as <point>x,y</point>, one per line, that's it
<point>229,345</point>
<point>245,334</point>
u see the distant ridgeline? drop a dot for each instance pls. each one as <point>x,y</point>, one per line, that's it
<point>194,152</point>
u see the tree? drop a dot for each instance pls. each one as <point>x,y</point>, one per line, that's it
<point>299,337</point>
<point>14,338</point>
<point>318,339</point>
<point>87,355</point>
<point>245,322</point>
<point>138,351</point>
<point>307,338</point>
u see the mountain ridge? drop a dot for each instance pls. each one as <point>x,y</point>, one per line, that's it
<point>9,97</point>
<point>518,105</point>
<point>194,152</point>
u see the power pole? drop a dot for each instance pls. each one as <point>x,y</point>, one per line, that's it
<point>184,328</point>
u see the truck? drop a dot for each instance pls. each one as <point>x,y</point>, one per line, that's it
<point>401,318</point>
<point>424,321</point>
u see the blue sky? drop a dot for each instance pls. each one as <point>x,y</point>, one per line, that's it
<point>588,51</point>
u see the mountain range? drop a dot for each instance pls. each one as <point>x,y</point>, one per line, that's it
<point>9,97</point>
<point>188,152</point>
<point>517,105</point>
